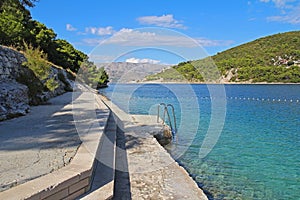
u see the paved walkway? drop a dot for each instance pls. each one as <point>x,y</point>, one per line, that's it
<point>38,143</point>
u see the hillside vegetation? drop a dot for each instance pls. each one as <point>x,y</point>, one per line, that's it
<point>20,31</point>
<point>275,58</point>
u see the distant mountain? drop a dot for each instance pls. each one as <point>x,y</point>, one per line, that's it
<point>130,72</point>
<point>274,58</point>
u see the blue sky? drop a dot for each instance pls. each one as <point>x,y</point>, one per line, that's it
<point>181,30</point>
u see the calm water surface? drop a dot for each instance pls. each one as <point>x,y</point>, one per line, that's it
<point>257,154</point>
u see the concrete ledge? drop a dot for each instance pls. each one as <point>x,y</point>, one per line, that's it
<point>70,181</point>
<point>104,193</point>
<point>152,172</point>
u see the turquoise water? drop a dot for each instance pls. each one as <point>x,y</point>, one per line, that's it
<point>257,154</point>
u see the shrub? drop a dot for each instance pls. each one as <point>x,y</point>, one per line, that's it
<point>51,84</point>
<point>37,62</point>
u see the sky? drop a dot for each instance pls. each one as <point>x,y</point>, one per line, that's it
<point>164,31</point>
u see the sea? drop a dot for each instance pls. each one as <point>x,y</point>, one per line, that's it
<point>237,141</point>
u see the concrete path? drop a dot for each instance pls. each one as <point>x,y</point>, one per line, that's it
<point>38,143</point>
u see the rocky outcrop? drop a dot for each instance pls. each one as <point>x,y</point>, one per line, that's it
<point>13,99</point>
<point>64,84</point>
<point>19,87</point>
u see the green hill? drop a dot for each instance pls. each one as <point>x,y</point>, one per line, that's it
<point>274,58</point>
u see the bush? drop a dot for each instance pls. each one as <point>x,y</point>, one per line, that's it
<point>51,84</point>
<point>37,62</point>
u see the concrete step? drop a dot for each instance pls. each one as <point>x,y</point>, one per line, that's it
<point>103,179</point>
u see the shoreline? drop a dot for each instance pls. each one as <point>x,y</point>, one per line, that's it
<point>204,83</point>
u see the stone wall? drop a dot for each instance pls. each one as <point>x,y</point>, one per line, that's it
<point>10,63</point>
<point>18,85</point>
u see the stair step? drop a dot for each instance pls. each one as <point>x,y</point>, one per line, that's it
<point>103,193</point>
<point>102,184</point>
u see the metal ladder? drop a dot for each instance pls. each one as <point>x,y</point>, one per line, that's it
<point>167,113</point>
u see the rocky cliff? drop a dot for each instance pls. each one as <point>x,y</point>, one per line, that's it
<point>20,88</point>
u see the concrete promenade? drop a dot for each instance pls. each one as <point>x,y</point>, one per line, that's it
<point>38,143</point>
<point>56,157</point>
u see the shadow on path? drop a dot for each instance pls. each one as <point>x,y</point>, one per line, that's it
<point>46,126</point>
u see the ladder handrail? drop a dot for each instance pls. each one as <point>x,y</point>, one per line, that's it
<point>158,110</point>
<point>173,112</point>
<point>166,111</point>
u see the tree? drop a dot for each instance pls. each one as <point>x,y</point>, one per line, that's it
<point>29,3</point>
<point>41,36</point>
<point>17,29</point>
<point>93,76</point>
<point>102,78</point>
<point>14,19</point>
<point>66,55</point>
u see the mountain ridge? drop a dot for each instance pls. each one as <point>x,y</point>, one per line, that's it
<point>127,72</point>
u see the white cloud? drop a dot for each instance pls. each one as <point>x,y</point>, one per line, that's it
<point>279,3</point>
<point>102,58</point>
<point>91,41</point>
<point>100,30</point>
<point>289,11</point>
<point>69,27</point>
<point>167,21</point>
<point>291,17</point>
<point>143,60</point>
<point>210,43</point>
<point>130,37</point>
